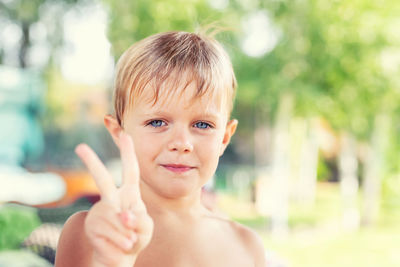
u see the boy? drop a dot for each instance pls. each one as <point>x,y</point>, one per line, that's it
<point>173,97</point>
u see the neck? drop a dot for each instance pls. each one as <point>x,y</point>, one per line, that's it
<point>160,206</point>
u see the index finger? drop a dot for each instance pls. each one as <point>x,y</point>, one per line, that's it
<point>130,166</point>
<point>101,176</point>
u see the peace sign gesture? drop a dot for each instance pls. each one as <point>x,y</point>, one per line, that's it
<point>118,226</point>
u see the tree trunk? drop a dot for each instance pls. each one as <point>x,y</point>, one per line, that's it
<point>281,168</point>
<point>262,155</point>
<point>373,166</point>
<point>308,159</point>
<point>25,42</point>
<point>349,183</point>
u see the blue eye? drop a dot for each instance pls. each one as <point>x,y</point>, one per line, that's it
<point>202,125</point>
<point>156,123</point>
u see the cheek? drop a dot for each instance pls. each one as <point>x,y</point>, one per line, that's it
<point>146,150</point>
<point>210,149</point>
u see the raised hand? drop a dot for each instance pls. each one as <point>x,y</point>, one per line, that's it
<point>118,226</point>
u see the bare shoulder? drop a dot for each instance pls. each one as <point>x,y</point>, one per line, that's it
<point>247,237</point>
<point>252,241</point>
<point>73,248</point>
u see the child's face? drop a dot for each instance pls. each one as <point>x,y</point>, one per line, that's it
<point>178,142</point>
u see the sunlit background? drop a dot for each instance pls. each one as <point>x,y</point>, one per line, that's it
<point>314,167</point>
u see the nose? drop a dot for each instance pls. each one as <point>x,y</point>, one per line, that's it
<point>180,141</point>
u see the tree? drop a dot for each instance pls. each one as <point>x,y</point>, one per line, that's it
<point>25,13</point>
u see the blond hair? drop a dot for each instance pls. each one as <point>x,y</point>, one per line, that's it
<point>164,57</point>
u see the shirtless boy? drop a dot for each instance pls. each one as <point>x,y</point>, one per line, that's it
<point>173,97</point>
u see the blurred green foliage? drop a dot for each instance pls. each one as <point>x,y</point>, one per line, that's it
<point>16,223</point>
<point>330,55</point>
<point>25,13</point>
<point>323,170</point>
<point>131,21</point>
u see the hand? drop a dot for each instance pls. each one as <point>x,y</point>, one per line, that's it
<point>118,226</point>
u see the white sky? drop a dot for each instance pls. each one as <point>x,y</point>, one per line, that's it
<point>261,35</point>
<point>86,57</point>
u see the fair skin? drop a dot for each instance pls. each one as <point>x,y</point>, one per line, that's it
<point>156,218</point>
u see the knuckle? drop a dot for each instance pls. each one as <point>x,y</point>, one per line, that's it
<point>92,230</point>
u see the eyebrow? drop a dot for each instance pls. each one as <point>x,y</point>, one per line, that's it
<point>159,113</point>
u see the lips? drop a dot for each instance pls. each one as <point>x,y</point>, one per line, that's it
<point>177,168</point>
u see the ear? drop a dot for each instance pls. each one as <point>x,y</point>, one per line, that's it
<point>113,128</point>
<point>229,131</point>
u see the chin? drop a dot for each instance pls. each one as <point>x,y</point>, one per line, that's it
<point>177,190</point>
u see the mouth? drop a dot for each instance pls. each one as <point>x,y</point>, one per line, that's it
<point>177,168</point>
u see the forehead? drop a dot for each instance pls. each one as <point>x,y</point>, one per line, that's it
<point>183,92</point>
<point>183,98</point>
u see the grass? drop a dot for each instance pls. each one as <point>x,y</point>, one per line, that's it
<point>316,237</point>
<point>365,248</point>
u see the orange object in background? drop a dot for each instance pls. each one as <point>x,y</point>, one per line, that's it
<point>78,184</point>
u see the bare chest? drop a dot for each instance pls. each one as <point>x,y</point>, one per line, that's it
<point>195,248</point>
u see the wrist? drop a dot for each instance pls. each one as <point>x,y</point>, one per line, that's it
<point>126,261</point>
